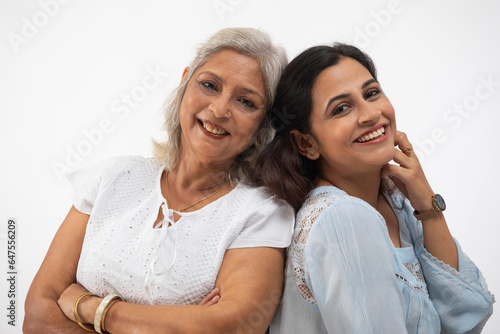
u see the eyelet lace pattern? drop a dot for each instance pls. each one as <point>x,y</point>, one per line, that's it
<point>310,211</point>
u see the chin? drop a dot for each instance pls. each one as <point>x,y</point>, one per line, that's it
<point>384,161</point>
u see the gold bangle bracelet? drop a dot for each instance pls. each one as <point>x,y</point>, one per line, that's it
<point>75,311</point>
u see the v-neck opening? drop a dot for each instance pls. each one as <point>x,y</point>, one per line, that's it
<point>163,202</point>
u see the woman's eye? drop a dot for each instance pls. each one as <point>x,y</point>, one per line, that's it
<point>208,85</point>
<point>372,93</point>
<point>247,103</point>
<point>340,109</point>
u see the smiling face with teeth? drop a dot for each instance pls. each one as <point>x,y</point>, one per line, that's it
<point>352,122</point>
<point>223,107</point>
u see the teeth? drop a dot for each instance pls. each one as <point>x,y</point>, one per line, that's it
<point>372,135</point>
<point>213,129</point>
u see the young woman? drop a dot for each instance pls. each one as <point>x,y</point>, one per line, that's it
<point>371,252</point>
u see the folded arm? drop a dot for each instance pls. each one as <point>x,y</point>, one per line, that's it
<point>250,283</point>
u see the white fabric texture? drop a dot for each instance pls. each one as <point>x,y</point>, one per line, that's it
<point>171,265</point>
<point>344,275</point>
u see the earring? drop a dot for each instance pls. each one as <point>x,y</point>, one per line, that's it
<point>312,152</point>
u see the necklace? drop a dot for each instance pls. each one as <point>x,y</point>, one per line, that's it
<point>201,200</point>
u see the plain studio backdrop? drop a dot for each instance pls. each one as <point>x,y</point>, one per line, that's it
<point>81,81</point>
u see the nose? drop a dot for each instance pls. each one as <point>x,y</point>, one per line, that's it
<point>220,107</point>
<point>368,113</point>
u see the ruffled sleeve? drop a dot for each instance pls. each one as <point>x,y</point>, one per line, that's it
<point>350,270</point>
<point>461,297</point>
<point>271,226</point>
<point>86,182</point>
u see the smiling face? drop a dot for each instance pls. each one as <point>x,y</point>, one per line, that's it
<point>223,107</point>
<point>352,122</point>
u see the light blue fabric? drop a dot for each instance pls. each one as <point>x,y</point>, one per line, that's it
<point>361,283</point>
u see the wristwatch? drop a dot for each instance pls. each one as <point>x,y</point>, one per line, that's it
<point>438,205</point>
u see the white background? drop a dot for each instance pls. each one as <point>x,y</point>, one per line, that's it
<point>65,69</point>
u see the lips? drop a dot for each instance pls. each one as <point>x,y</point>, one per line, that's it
<point>213,129</point>
<point>371,135</point>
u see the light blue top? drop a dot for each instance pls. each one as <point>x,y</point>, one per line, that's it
<point>344,275</point>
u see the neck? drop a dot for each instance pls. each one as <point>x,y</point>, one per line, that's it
<point>365,186</point>
<point>192,172</point>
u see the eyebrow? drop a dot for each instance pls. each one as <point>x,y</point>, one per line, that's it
<point>214,75</point>
<point>369,82</point>
<point>248,90</point>
<point>343,96</point>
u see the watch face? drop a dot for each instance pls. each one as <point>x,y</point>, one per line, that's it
<point>440,202</point>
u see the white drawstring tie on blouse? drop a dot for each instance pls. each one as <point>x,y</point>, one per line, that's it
<point>165,224</point>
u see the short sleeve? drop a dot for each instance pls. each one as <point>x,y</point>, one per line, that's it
<point>87,181</point>
<point>271,226</point>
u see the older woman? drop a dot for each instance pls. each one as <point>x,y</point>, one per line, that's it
<point>366,257</point>
<point>162,233</point>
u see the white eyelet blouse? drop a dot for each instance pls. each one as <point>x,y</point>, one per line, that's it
<point>172,265</point>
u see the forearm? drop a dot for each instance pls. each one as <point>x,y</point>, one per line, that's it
<point>225,317</point>
<point>57,272</point>
<point>250,282</point>
<point>43,315</point>
<point>438,240</point>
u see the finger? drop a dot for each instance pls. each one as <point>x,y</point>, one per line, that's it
<point>210,297</point>
<point>411,182</point>
<point>402,159</point>
<point>395,172</point>
<point>404,143</point>
<point>391,171</point>
<point>213,301</point>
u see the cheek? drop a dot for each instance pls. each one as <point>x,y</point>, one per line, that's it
<point>389,111</point>
<point>188,103</point>
<point>249,124</point>
<point>392,118</point>
<point>192,99</point>
<point>336,132</point>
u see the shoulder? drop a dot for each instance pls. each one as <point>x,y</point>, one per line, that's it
<point>318,201</point>
<point>108,171</point>
<point>131,166</point>
<point>134,162</point>
<point>260,199</point>
<point>331,222</point>
<point>265,220</point>
<point>330,205</point>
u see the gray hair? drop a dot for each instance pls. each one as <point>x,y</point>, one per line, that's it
<point>247,41</point>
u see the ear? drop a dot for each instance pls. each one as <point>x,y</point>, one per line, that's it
<point>307,145</point>
<point>184,74</point>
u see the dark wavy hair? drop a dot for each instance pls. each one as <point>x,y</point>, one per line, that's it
<point>280,167</point>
